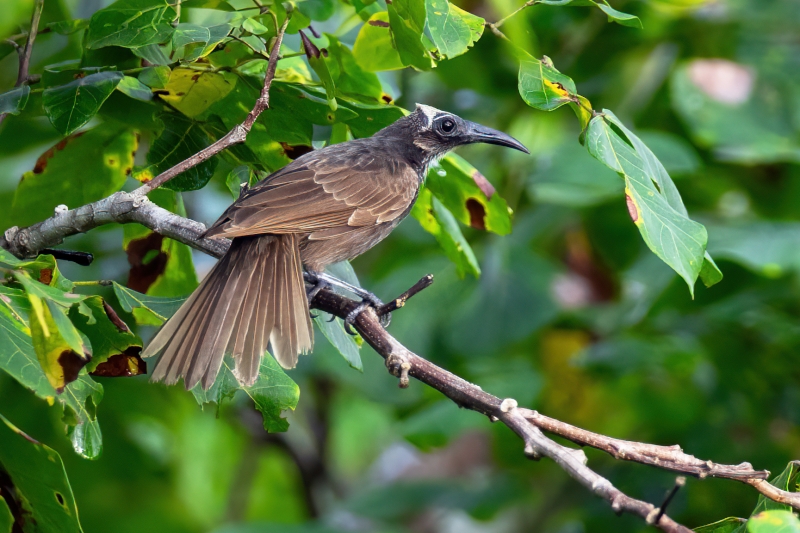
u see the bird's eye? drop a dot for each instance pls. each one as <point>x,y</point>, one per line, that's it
<point>447,125</point>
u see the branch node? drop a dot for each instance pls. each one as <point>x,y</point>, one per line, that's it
<point>616,505</point>
<point>60,209</point>
<point>508,405</point>
<point>531,453</point>
<point>653,516</point>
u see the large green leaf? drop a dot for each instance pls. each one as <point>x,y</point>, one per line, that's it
<point>6,518</point>
<point>72,105</point>
<point>131,23</point>
<point>774,522</point>
<point>373,49</point>
<point>181,138</point>
<point>786,480</point>
<point>80,169</point>
<point>468,195</point>
<point>193,41</point>
<point>653,201</point>
<point>15,100</point>
<point>79,398</point>
<point>40,485</point>
<point>348,74</point>
<point>407,22</point>
<point>453,30</point>
<point>272,393</point>
<point>437,220</point>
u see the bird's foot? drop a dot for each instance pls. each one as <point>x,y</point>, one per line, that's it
<point>368,300</point>
<point>399,365</point>
<point>317,286</point>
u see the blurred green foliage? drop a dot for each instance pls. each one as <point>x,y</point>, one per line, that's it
<point>565,308</point>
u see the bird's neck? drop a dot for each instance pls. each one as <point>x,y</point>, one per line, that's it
<point>400,137</point>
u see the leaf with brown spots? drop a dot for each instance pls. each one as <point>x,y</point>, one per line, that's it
<point>126,364</point>
<point>469,195</point>
<point>108,334</point>
<point>159,266</point>
<point>104,156</point>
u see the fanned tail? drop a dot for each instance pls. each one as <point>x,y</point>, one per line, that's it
<point>253,296</point>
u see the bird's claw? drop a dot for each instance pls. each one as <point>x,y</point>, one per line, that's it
<point>370,300</point>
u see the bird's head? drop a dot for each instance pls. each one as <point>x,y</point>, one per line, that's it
<point>437,132</point>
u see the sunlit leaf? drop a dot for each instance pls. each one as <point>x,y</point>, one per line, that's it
<point>542,86</point>
<point>407,22</point>
<point>192,92</point>
<point>135,89</point>
<point>373,49</point>
<point>453,30</point>
<point>774,522</point>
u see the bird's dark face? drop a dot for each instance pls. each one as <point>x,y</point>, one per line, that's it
<point>438,132</point>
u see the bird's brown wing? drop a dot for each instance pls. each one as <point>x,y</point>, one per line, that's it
<point>323,194</point>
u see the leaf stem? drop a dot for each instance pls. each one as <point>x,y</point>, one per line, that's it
<point>95,283</point>
<point>502,21</point>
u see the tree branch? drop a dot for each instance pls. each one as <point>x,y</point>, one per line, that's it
<point>123,207</point>
<point>126,207</point>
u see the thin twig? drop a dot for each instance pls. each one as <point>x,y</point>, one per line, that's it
<point>401,300</point>
<point>237,135</point>
<point>25,52</point>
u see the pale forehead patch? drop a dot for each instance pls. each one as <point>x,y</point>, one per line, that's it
<point>429,112</point>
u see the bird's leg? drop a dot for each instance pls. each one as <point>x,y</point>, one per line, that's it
<point>317,284</point>
<point>367,299</point>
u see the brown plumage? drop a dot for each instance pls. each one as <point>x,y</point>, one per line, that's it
<point>327,206</point>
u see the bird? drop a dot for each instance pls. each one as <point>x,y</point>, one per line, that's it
<point>327,206</point>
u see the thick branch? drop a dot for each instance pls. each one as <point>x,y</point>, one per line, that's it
<point>133,207</point>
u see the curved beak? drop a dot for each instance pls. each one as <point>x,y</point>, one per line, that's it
<point>481,134</point>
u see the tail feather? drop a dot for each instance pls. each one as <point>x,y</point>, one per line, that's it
<point>253,296</point>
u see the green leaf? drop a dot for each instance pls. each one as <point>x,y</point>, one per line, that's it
<point>348,74</point>
<point>320,66</point>
<point>39,482</point>
<point>68,27</point>
<point>192,92</point>
<point>543,87</point>
<point>786,480</point>
<point>79,399</point>
<point>407,22</point>
<point>192,41</point>
<point>774,522</point>
<point>155,77</point>
<point>272,392</point>
<point>468,195</point>
<point>57,343</point>
<point>726,525</point>
<point>6,518</point>
<point>72,105</point>
<point>239,177</point>
<point>453,30</point>
<point>438,221</point>
<point>333,330</point>
<point>160,307</point>
<point>155,54</point>
<point>15,100</point>
<point>104,156</point>
<point>618,16</point>
<point>613,15</point>
<point>131,23</point>
<point>374,49</point>
<point>181,138</point>
<point>653,201</point>
<point>135,89</point>
<point>108,337</point>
